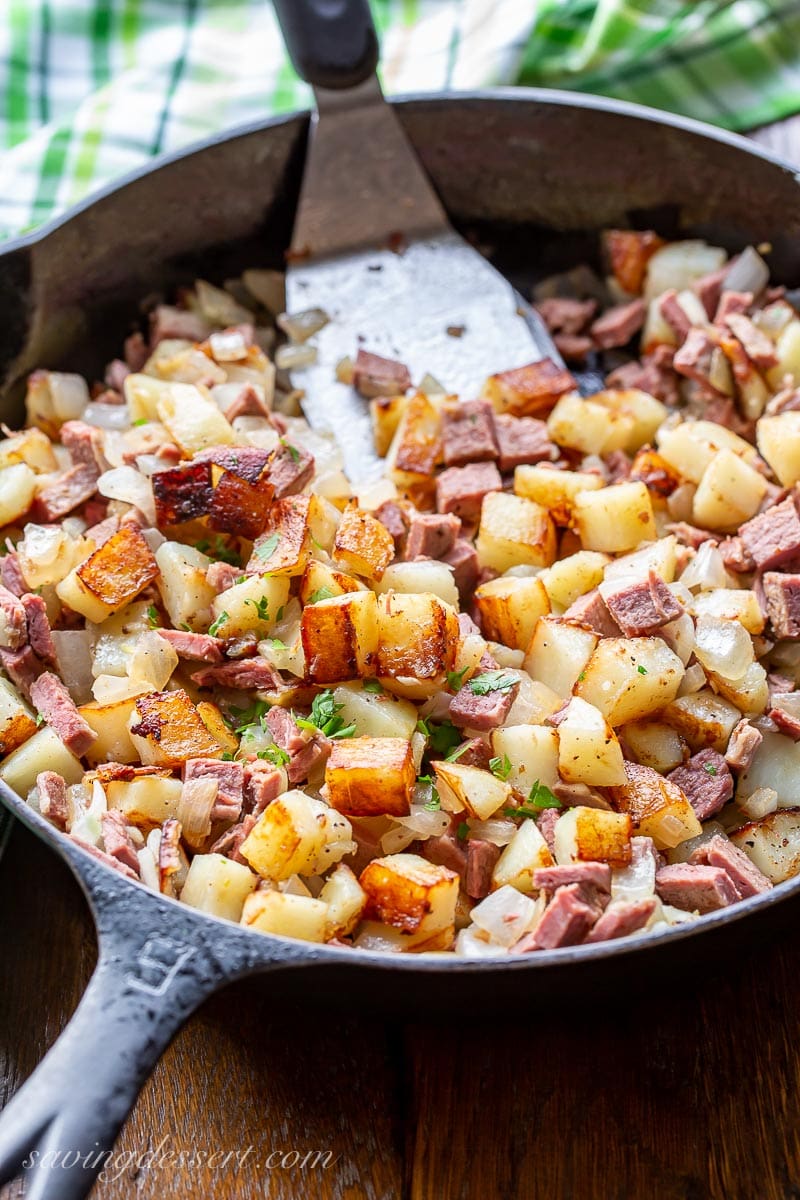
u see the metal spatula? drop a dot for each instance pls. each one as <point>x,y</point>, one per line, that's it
<point>373,247</point>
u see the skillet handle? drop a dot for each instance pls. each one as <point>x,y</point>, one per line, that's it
<point>157,962</point>
<point>332,43</point>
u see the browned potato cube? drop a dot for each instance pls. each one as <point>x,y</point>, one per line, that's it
<point>385,413</point>
<point>321,582</point>
<point>167,729</point>
<point>371,776</point>
<point>362,543</point>
<point>529,391</point>
<point>409,893</point>
<point>111,577</point>
<point>240,507</point>
<point>182,493</point>
<point>592,835</point>
<point>657,807</point>
<point>514,532</point>
<point>510,609</point>
<point>418,636</point>
<point>340,637</point>
<point>628,252</point>
<point>416,448</point>
<point>284,548</point>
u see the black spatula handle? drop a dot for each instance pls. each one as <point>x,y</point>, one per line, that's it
<point>332,43</point>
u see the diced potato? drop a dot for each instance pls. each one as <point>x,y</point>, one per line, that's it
<point>17,720</point>
<point>166,729</point>
<point>418,636</point>
<point>510,608</point>
<point>614,519</point>
<point>593,835</point>
<point>657,807</point>
<point>629,678</point>
<point>470,790</point>
<point>660,556</point>
<point>153,660</point>
<point>590,427</point>
<point>734,604</point>
<point>788,351</point>
<point>772,843</point>
<point>750,694</point>
<point>253,606</point>
<point>573,576</point>
<point>30,446</point>
<point>655,744</point>
<point>411,894</point>
<point>529,391</point>
<point>322,582</point>
<point>362,544</point>
<point>703,718</point>
<point>553,489</point>
<point>44,751</point>
<point>778,441</point>
<point>146,801</point>
<point>728,494</point>
<point>588,750</point>
<point>371,776</point>
<point>287,915</point>
<point>47,553</point>
<point>385,413</point>
<point>680,264</point>
<point>416,448</point>
<point>420,575</point>
<point>628,252</point>
<point>691,446</point>
<point>184,589</point>
<point>217,885</point>
<point>110,577</point>
<point>340,637</point>
<point>375,714</point>
<point>776,765</point>
<point>142,393</point>
<point>116,638</point>
<point>285,546</point>
<point>346,901</point>
<point>17,489</point>
<point>110,723</point>
<point>532,751</point>
<point>558,654</point>
<point>54,397</point>
<point>193,419</point>
<point>514,531</point>
<point>215,723</point>
<point>525,853</point>
<point>644,411</point>
<point>296,835</point>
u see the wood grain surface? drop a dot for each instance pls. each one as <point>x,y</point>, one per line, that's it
<point>696,1099</point>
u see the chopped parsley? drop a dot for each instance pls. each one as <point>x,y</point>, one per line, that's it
<point>325,717</point>
<point>153,619</point>
<point>261,606</point>
<point>581,677</point>
<point>709,768</point>
<point>456,678</point>
<point>443,737</point>
<point>275,755</point>
<point>322,593</point>
<point>279,613</point>
<point>642,670</point>
<point>268,547</point>
<point>141,421</point>
<point>39,720</point>
<point>246,718</point>
<point>372,685</point>
<point>491,681</point>
<point>293,451</point>
<point>540,798</point>
<point>227,756</point>
<point>463,831</point>
<point>219,550</point>
<point>454,755</point>
<point>500,767</point>
<point>276,644</point>
<point>215,626</point>
<point>434,804</point>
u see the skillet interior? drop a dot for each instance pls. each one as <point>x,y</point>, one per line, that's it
<point>535,173</point>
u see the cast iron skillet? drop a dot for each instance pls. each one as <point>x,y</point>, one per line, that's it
<point>535,171</point>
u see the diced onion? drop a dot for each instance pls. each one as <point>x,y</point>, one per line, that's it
<point>694,679</point>
<point>684,850</point>
<point>749,273</point>
<point>495,830</point>
<point>706,571</point>
<point>472,943</point>
<point>74,648</point>
<point>425,823</point>
<point>228,346</point>
<point>294,358</point>
<point>344,370</point>
<point>505,915</point>
<point>107,416</point>
<point>760,803</point>
<point>299,327</point>
<point>198,797</point>
<point>130,486</point>
<point>637,881</point>
<point>723,646</point>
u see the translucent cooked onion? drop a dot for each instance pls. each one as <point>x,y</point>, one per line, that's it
<point>69,394</point>
<point>299,327</point>
<point>147,866</point>
<point>694,679</point>
<point>153,660</point>
<point>198,797</point>
<point>680,504</point>
<point>130,486</point>
<point>294,358</point>
<point>397,839</point>
<point>748,274</point>
<point>42,544</point>
<point>107,416</point>
<point>154,538</point>
<point>74,648</point>
<point>637,881</point>
<point>495,830</point>
<point>425,823</point>
<point>344,370</point>
<point>723,646</point>
<point>108,689</point>
<point>706,571</point>
<point>683,852</point>
<point>758,804</point>
<point>472,943</point>
<point>505,915</point>
<point>228,345</point>
<point>679,636</point>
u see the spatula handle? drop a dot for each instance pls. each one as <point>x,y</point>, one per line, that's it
<point>332,43</point>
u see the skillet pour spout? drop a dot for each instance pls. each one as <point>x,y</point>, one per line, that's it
<point>533,170</point>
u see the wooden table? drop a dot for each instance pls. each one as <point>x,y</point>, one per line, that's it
<point>675,1101</point>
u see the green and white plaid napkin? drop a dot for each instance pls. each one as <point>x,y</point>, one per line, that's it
<point>92,88</point>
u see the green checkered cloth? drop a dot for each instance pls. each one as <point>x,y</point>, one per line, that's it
<point>92,88</point>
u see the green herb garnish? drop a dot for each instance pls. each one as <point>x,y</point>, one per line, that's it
<point>454,755</point>
<point>456,678</point>
<point>141,421</point>
<point>642,670</point>
<point>246,718</point>
<point>215,626</point>
<point>275,755</point>
<point>293,451</point>
<point>463,831</point>
<point>261,606</point>
<point>709,769</point>
<point>322,593</point>
<point>268,548</point>
<point>500,767</point>
<point>372,685</point>
<point>276,644</point>
<point>491,681</point>
<point>434,804</point>
<point>152,616</point>
<point>443,737</point>
<point>325,717</point>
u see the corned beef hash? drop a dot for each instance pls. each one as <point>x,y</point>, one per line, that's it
<point>534,688</point>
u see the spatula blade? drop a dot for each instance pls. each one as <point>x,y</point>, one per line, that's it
<point>401,306</point>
